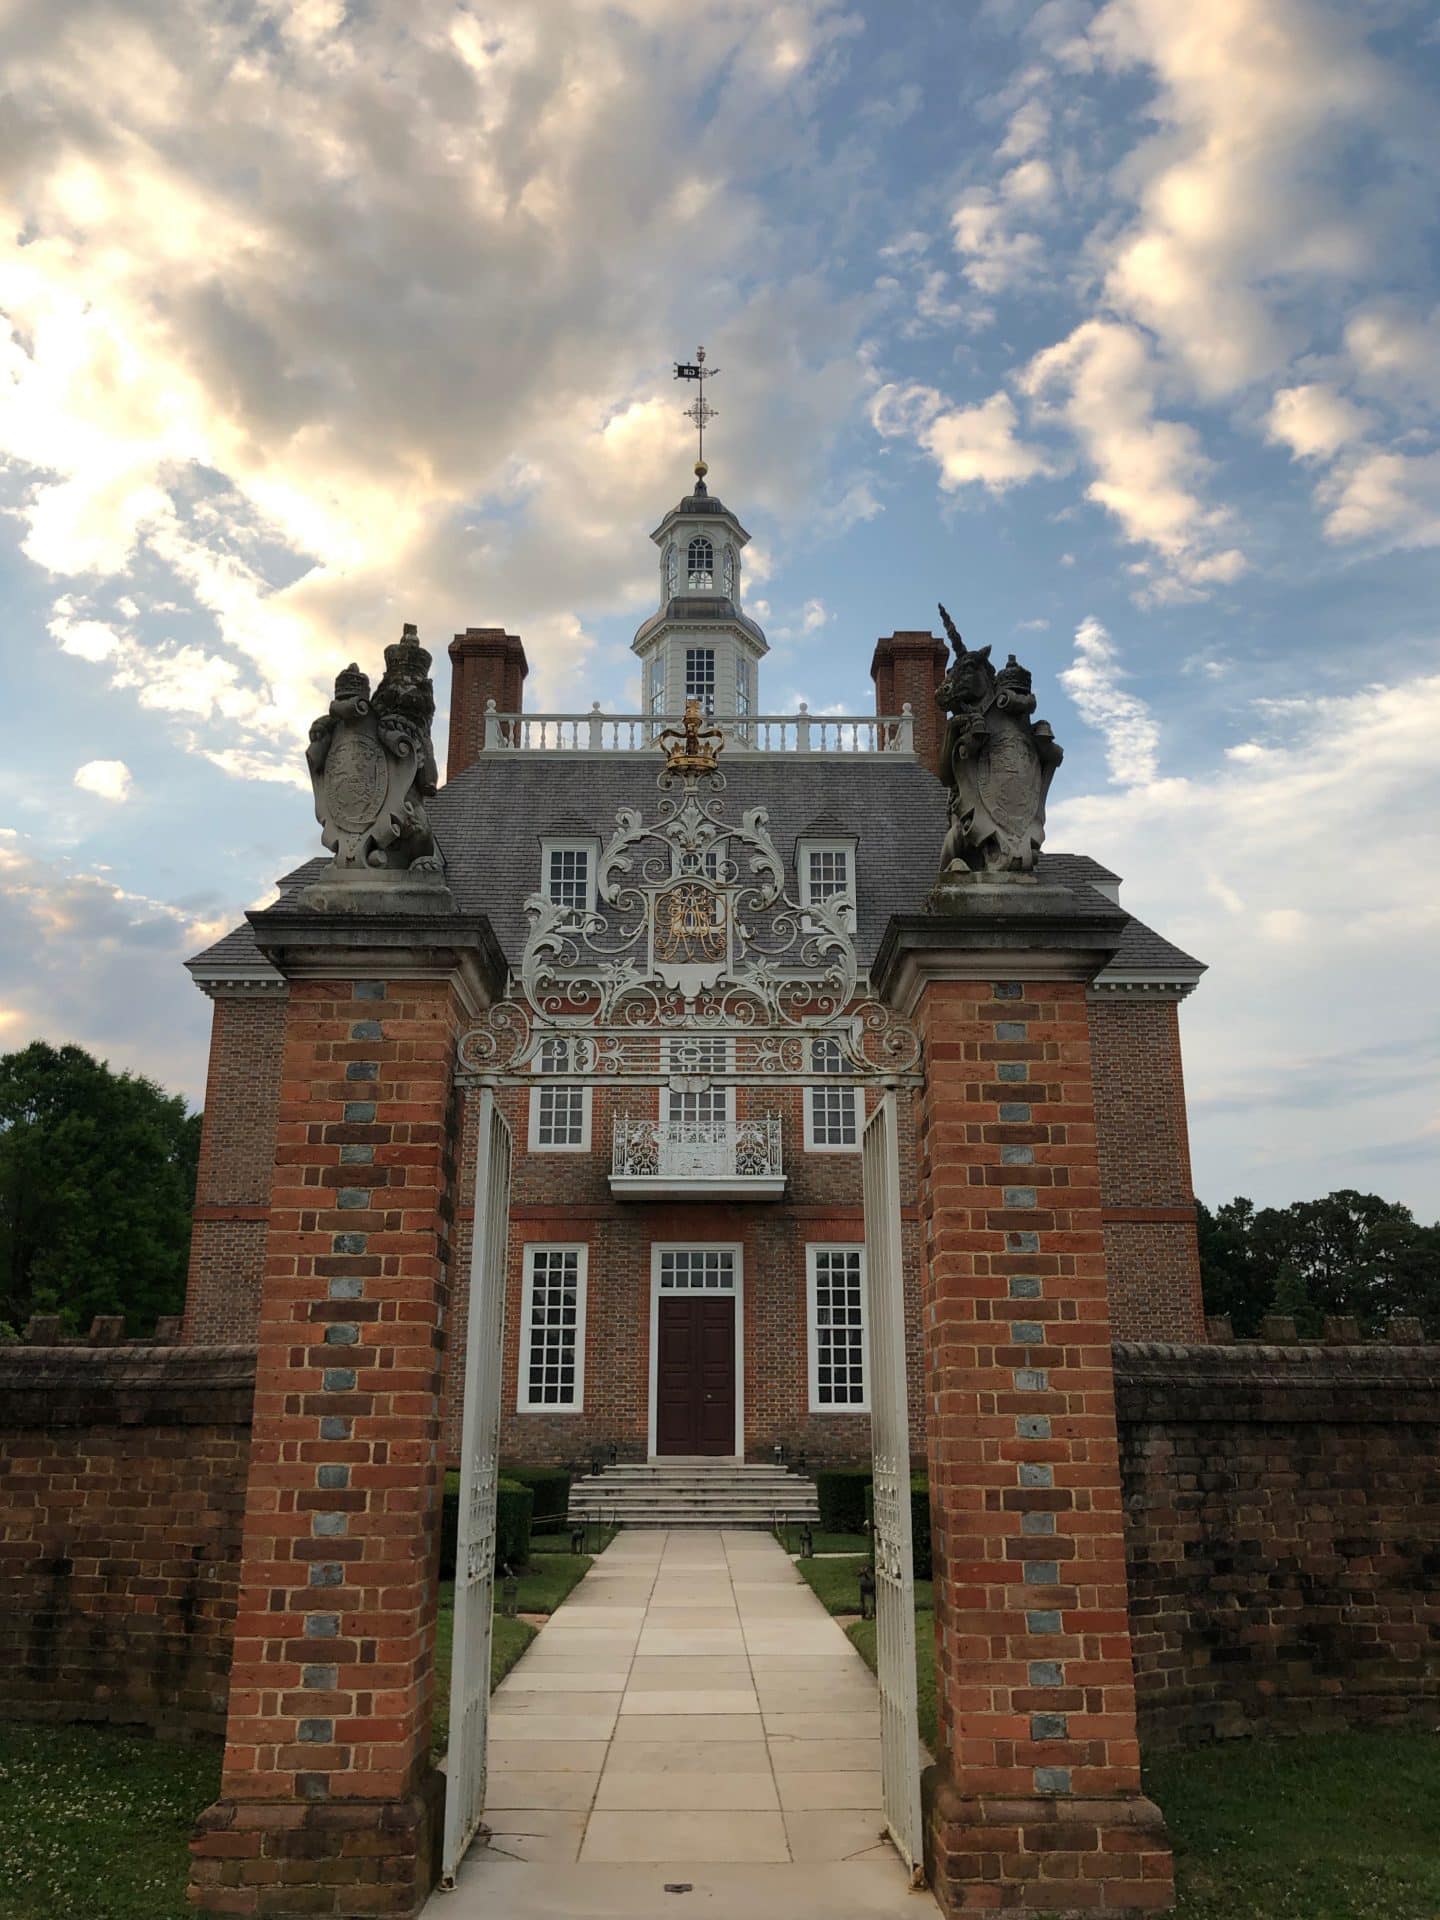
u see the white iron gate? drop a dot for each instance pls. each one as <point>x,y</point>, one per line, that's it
<point>479,1455</point>
<point>890,1438</point>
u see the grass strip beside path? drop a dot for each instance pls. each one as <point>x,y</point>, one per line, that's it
<point>836,1582</point>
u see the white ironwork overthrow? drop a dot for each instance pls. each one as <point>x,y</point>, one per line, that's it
<point>694,960</point>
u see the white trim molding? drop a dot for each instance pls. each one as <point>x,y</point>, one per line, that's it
<point>852,1250</point>
<point>736,1292</point>
<point>524,1403</point>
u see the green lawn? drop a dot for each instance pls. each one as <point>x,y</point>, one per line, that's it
<point>862,1633</point>
<point>543,1586</point>
<point>94,1825</point>
<point>1340,1827</point>
<point>789,1538</point>
<point>837,1582</point>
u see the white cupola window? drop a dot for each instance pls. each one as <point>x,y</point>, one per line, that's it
<point>672,570</point>
<point>729,573</point>
<point>700,566</point>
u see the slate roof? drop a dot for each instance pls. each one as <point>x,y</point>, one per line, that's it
<point>490,820</point>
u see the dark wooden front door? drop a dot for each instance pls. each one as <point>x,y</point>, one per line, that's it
<point>695,1378</point>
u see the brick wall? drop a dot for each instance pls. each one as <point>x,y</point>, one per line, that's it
<point>1152,1256</point>
<point>237,1157</point>
<point>122,1480</point>
<point>1283,1533</point>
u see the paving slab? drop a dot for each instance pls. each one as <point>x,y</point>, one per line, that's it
<point>690,1717</point>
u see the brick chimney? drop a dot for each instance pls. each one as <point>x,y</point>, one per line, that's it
<point>910,666</point>
<point>486,663</point>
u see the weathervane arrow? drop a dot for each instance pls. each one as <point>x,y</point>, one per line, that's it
<point>700,411</point>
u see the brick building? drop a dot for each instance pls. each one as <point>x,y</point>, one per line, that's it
<point>686,1269</point>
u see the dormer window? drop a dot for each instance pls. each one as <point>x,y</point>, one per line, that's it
<point>825,869</point>
<point>700,565</point>
<point>700,676</point>
<point>568,873</point>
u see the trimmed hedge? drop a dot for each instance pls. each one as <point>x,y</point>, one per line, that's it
<point>551,1488</point>
<point>514,1505</point>
<point>841,1493</point>
<point>853,1478</point>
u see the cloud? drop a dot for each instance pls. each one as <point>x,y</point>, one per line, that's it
<point>1389,499</point>
<point>1395,349</point>
<point>1093,682</point>
<point>1245,195</point>
<point>1249,864</point>
<point>324,318</point>
<point>108,779</point>
<point>1315,421</point>
<point>85,960</point>
<point>1102,383</point>
<point>977,445</point>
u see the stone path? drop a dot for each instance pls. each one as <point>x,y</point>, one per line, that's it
<point>691,1731</point>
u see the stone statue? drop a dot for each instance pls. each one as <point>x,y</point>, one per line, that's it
<point>997,762</point>
<point>373,767</point>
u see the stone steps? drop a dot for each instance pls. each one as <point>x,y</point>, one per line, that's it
<point>693,1494</point>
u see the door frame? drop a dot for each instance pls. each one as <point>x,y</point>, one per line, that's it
<point>736,1294</point>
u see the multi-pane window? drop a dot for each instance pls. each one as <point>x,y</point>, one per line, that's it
<point>552,1358</point>
<point>696,1059</point>
<point>567,876</point>
<point>837,1330</point>
<point>729,573</point>
<point>657,687</point>
<point>700,677</point>
<point>559,1115</point>
<point>832,1110</point>
<point>672,570</point>
<point>700,563</point>
<point>828,872</point>
<point>697,1269</point>
<point>742,684</point>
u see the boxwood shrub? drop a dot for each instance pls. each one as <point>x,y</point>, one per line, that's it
<point>919,1519</point>
<point>551,1488</point>
<point>513,1508</point>
<point>841,1494</point>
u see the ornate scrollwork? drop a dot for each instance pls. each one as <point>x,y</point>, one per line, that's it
<point>693,933</point>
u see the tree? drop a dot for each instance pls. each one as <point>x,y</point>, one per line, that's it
<point>1349,1253</point>
<point>97,1179</point>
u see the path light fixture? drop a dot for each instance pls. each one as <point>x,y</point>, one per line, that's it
<point>594,1465</point>
<point>800,1461</point>
<point>867,1594</point>
<point>509,1593</point>
<point>614,1453</point>
<point>807,1541</point>
<point>577,1538</point>
<point>779,1451</point>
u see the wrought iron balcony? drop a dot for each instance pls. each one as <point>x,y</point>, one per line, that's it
<point>822,735</point>
<point>703,1160</point>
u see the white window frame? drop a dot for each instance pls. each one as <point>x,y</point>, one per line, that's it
<point>735,1293</point>
<point>743,686</point>
<point>680,1071</point>
<point>812,1279</point>
<point>713,694</point>
<point>657,686</point>
<point>834,1083</point>
<point>699,579</point>
<point>536,1144</point>
<point>563,843</point>
<point>803,851</point>
<point>523,1402</point>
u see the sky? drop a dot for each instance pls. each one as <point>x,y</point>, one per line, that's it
<point>1114,326</point>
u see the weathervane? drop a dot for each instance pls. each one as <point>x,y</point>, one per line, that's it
<point>701,411</point>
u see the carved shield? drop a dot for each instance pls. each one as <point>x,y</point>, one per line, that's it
<point>1008,776</point>
<point>357,775</point>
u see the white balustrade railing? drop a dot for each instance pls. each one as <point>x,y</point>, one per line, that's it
<point>830,734</point>
<point>696,1150</point>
